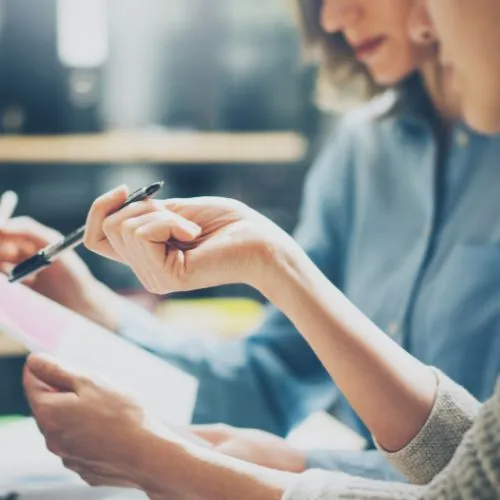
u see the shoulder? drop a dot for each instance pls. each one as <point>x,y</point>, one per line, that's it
<point>362,132</point>
<point>371,136</point>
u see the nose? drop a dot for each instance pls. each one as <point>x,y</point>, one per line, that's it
<point>337,15</point>
<point>420,25</point>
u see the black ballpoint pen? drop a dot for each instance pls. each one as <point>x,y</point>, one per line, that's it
<point>45,256</point>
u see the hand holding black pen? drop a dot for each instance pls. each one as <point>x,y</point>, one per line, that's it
<point>47,255</point>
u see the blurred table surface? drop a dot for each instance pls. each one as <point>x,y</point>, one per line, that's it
<point>162,146</point>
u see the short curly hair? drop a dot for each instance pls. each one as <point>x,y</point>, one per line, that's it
<point>342,79</point>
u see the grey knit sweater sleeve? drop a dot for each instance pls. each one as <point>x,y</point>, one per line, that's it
<point>469,467</point>
<point>431,450</point>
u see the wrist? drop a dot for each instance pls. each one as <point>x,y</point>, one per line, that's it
<point>168,466</point>
<point>281,268</point>
<point>153,462</point>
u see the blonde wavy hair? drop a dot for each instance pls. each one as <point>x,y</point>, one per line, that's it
<point>342,80</point>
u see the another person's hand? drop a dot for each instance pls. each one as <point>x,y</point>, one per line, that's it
<point>251,445</point>
<point>96,430</point>
<point>185,244</point>
<point>107,439</point>
<point>67,281</point>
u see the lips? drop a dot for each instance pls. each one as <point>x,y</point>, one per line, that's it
<point>367,47</point>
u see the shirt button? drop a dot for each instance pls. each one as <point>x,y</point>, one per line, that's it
<point>462,139</point>
<point>393,329</point>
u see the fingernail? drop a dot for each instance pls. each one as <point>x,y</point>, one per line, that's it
<point>118,191</point>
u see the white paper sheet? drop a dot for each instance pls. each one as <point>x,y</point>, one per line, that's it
<point>27,468</point>
<point>44,326</point>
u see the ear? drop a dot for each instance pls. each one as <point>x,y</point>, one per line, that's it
<point>420,25</point>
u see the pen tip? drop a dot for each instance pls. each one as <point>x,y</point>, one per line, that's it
<point>156,186</point>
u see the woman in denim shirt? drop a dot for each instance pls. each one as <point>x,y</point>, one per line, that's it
<point>400,212</point>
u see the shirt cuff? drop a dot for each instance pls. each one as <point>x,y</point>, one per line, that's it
<point>431,450</point>
<point>316,485</point>
<point>322,485</point>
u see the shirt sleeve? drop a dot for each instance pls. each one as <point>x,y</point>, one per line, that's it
<point>322,485</point>
<point>365,463</point>
<point>452,415</point>
<point>472,472</point>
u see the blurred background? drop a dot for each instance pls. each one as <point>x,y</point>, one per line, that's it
<point>209,95</point>
<point>159,70</point>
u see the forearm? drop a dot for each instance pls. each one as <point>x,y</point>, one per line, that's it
<point>100,305</point>
<point>391,391</point>
<point>181,470</point>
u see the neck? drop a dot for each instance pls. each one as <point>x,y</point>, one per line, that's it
<point>446,102</point>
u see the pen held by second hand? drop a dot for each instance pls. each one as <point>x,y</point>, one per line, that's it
<point>8,204</point>
<point>45,257</point>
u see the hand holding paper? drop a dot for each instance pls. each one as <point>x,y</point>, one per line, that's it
<point>113,433</point>
<point>44,326</point>
<point>100,447</point>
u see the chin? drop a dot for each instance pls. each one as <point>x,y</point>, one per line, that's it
<point>390,78</point>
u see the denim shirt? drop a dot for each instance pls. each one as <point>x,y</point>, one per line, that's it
<point>408,227</point>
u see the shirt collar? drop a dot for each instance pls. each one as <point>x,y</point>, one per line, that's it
<point>413,104</point>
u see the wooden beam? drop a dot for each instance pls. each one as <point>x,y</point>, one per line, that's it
<point>9,347</point>
<point>161,147</point>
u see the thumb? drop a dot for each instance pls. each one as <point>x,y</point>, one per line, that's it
<point>49,372</point>
<point>107,204</point>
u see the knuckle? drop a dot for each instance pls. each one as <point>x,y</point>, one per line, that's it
<point>99,207</point>
<point>84,381</point>
<point>53,443</point>
<point>90,479</point>
<point>70,464</point>
<point>150,287</point>
<point>154,286</point>
<point>45,417</point>
<point>65,444</point>
<point>108,225</point>
<point>140,233</point>
<point>128,225</point>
